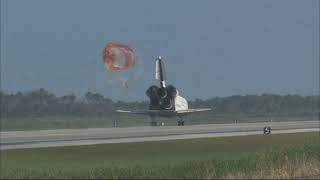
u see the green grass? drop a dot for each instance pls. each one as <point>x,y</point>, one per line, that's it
<point>193,158</point>
<point>41,123</point>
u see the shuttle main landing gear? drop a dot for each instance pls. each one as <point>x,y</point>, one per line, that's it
<point>153,121</point>
<point>181,121</point>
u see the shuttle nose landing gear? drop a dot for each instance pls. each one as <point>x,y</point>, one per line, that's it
<point>181,121</point>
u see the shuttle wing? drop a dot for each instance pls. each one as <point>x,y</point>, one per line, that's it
<point>188,111</point>
<point>164,112</point>
<point>151,112</point>
<point>143,112</point>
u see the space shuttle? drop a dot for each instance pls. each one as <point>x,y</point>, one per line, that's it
<point>165,100</point>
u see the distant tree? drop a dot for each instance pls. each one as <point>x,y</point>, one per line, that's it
<point>94,97</point>
<point>41,102</point>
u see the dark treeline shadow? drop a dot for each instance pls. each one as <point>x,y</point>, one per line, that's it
<point>39,103</point>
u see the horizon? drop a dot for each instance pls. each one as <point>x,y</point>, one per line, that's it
<point>82,96</point>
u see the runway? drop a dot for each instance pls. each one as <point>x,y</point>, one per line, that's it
<point>73,137</point>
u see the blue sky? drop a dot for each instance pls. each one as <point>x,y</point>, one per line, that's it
<point>211,47</point>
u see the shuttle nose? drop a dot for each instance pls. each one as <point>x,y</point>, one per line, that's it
<point>159,58</point>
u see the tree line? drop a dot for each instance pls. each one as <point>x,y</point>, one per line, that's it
<point>41,102</point>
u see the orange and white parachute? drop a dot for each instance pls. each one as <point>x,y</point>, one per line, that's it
<point>118,57</point>
<point>120,61</point>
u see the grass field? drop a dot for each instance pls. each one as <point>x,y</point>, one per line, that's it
<point>40,123</point>
<point>257,156</point>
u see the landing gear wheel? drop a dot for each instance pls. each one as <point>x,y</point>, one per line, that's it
<point>180,123</point>
<point>153,121</point>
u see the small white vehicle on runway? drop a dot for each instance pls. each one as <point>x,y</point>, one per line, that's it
<point>267,130</point>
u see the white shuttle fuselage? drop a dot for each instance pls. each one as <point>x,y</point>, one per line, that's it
<point>165,100</point>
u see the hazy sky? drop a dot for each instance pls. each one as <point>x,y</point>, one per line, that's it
<point>211,47</point>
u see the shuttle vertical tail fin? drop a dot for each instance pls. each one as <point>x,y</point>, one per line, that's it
<point>160,72</point>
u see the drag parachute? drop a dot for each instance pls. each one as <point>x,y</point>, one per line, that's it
<point>120,61</point>
<point>118,57</point>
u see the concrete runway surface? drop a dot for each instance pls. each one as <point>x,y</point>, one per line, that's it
<point>72,137</point>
